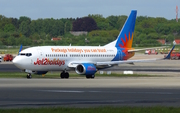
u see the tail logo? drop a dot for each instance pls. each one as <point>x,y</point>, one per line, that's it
<point>127,43</point>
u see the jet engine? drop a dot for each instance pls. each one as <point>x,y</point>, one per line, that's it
<point>86,69</point>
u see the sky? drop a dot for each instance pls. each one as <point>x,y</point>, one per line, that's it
<point>57,9</point>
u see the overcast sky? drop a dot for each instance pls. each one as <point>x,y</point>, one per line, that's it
<point>79,8</point>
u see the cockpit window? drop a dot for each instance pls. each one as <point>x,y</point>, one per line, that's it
<point>22,54</point>
<point>25,54</point>
<point>28,54</point>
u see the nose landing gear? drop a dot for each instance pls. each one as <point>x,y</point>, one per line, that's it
<point>29,76</point>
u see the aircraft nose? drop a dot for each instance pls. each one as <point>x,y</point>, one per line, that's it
<point>16,61</point>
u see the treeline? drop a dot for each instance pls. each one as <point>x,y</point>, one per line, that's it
<point>101,30</point>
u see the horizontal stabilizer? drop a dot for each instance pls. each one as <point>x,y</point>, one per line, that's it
<point>136,50</point>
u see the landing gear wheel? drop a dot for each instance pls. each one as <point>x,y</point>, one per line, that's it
<point>64,75</point>
<point>29,76</point>
<point>67,75</point>
<point>90,76</point>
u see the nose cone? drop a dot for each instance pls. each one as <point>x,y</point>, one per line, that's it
<point>17,62</point>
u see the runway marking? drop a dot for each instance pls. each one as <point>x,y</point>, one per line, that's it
<point>63,91</point>
<point>161,93</point>
<point>70,91</point>
<point>80,91</point>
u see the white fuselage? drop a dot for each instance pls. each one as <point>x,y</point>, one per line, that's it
<point>57,58</point>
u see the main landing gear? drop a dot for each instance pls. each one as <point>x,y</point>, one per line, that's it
<point>90,76</point>
<point>64,75</point>
<point>29,76</point>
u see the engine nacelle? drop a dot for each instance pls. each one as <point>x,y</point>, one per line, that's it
<point>86,69</point>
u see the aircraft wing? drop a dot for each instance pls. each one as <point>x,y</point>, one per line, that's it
<point>124,62</point>
<point>135,50</point>
<point>133,61</point>
<point>110,63</point>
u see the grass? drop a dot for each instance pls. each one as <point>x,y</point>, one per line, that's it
<point>95,110</point>
<point>9,51</point>
<point>57,74</point>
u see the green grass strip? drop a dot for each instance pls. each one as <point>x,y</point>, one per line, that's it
<point>95,110</point>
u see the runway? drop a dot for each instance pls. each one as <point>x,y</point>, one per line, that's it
<point>132,91</point>
<point>101,91</point>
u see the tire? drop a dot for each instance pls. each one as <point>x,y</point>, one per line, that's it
<point>62,75</point>
<point>92,76</point>
<point>29,76</point>
<point>88,76</point>
<point>66,75</point>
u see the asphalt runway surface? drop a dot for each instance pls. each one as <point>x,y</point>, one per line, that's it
<point>124,91</point>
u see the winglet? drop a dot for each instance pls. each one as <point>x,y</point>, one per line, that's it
<point>169,54</point>
<point>20,49</point>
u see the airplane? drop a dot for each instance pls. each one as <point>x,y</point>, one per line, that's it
<point>84,60</point>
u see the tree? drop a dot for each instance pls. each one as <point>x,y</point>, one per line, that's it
<point>11,41</point>
<point>24,28</point>
<point>9,28</point>
<point>84,24</point>
<point>121,21</point>
<point>112,22</point>
<point>14,21</point>
<point>67,26</point>
<point>4,21</point>
<point>24,18</point>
